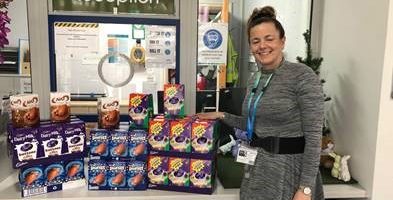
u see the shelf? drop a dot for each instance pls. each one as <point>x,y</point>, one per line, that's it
<point>10,190</point>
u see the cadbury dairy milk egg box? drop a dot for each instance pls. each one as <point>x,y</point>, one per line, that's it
<point>60,107</point>
<point>48,142</point>
<point>25,110</point>
<point>51,174</point>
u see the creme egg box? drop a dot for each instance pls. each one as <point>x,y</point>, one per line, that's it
<point>51,139</point>
<point>180,135</point>
<point>25,110</point>
<point>97,174</point>
<point>202,136</point>
<point>108,113</point>
<point>201,173</point>
<point>118,143</point>
<point>158,136</point>
<point>157,170</point>
<point>60,106</point>
<point>99,140</point>
<point>179,171</point>
<point>140,110</point>
<point>174,99</point>
<point>136,175</point>
<point>137,145</point>
<point>116,174</point>
<point>75,136</point>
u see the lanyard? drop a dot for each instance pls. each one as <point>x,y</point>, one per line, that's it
<point>252,112</point>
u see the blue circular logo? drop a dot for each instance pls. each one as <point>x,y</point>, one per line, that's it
<point>212,39</point>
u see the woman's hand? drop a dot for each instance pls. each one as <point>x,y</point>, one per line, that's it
<point>299,195</point>
<point>210,115</point>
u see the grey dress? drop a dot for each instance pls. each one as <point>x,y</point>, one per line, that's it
<point>292,106</point>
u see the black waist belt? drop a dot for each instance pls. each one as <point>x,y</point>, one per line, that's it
<point>279,145</point>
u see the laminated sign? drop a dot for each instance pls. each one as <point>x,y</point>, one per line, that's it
<point>212,43</point>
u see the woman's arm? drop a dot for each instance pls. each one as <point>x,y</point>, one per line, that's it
<point>311,102</point>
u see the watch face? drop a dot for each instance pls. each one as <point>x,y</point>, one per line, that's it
<point>307,190</point>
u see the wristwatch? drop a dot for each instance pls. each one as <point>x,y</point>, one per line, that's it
<point>305,190</point>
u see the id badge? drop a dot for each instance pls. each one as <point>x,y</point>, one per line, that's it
<point>246,154</point>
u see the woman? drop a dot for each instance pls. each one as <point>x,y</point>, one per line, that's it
<point>282,117</point>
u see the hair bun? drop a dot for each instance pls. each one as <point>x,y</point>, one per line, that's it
<point>266,12</point>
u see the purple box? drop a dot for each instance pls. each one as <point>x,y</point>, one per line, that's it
<point>51,139</point>
<point>99,140</point>
<point>201,173</point>
<point>202,139</point>
<point>157,170</point>
<point>97,172</point>
<point>174,99</point>
<point>179,171</point>
<point>25,146</point>
<point>140,110</point>
<point>158,136</point>
<point>74,134</point>
<point>118,143</point>
<point>136,175</point>
<point>116,175</point>
<point>138,145</point>
<point>180,135</point>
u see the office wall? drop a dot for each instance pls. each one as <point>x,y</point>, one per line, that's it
<point>353,46</point>
<point>17,11</point>
<point>383,179</point>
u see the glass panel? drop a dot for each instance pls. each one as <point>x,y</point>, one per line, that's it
<point>104,59</point>
<point>166,7</point>
<point>15,73</point>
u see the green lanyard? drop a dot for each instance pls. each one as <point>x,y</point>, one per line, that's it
<point>252,112</point>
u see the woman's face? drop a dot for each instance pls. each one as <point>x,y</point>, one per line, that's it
<point>266,45</point>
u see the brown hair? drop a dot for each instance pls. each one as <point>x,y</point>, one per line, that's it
<point>265,14</point>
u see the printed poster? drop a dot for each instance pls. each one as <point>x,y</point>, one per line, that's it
<point>212,43</point>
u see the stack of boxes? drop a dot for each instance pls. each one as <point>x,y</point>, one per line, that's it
<point>118,157</point>
<point>181,148</point>
<point>49,154</point>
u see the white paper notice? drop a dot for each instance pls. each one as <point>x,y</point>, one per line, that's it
<point>212,43</point>
<point>160,47</point>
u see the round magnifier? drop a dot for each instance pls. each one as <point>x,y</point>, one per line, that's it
<point>115,69</point>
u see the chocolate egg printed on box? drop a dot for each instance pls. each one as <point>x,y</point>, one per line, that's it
<point>25,110</point>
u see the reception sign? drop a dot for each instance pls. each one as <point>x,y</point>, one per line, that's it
<point>166,7</point>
